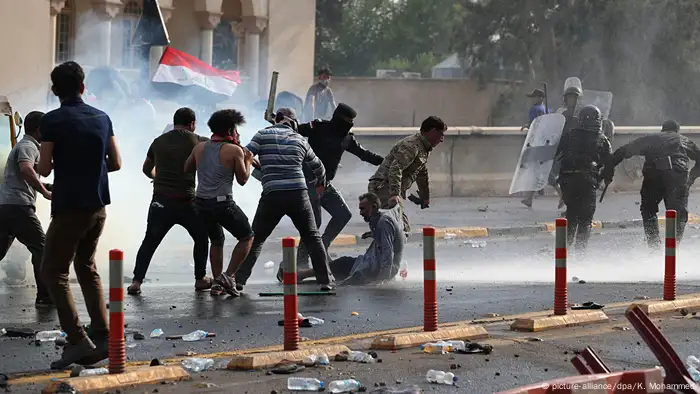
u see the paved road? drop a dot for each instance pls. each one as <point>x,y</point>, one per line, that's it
<point>506,276</point>
<point>515,361</point>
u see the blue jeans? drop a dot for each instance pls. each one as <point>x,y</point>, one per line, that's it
<point>333,203</point>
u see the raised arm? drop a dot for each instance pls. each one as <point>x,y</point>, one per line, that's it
<point>363,154</point>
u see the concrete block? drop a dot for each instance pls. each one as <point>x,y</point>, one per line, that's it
<point>658,307</point>
<point>345,240</point>
<point>265,360</point>
<point>517,231</point>
<point>402,341</point>
<point>102,383</point>
<point>550,322</point>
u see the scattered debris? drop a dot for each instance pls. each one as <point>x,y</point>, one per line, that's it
<point>206,385</point>
<point>188,353</point>
<point>269,265</point>
<point>582,282</point>
<point>286,369</point>
<point>139,337</point>
<point>354,314</point>
<point>620,328</point>
<point>157,333</point>
<point>450,235</point>
<point>490,315</point>
<point>575,279</point>
<point>483,208</point>
<point>476,244</point>
<point>534,339</point>
<point>440,377</point>
<point>587,305</point>
<point>684,312</point>
<point>641,297</point>
<point>155,362</point>
<point>197,364</point>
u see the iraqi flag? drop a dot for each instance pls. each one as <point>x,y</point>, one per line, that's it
<point>180,73</point>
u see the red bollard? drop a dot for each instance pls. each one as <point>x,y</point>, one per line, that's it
<point>291,307</point>
<point>560,296</point>
<point>670,263</point>
<point>430,309</point>
<point>117,348</point>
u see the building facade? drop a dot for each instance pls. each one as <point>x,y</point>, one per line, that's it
<point>253,36</point>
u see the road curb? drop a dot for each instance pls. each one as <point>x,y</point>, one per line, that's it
<point>101,383</point>
<point>492,232</point>
<point>403,341</point>
<point>659,307</point>
<point>264,360</point>
<point>551,322</point>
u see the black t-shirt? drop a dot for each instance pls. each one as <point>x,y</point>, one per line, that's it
<point>169,153</point>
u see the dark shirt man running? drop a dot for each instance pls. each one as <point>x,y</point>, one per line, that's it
<point>217,162</point>
<point>173,199</point>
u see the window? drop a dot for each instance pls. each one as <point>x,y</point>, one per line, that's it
<point>65,41</point>
<point>225,47</point>
<point>130,17</point>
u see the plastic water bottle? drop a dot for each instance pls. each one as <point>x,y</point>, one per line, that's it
<point>197,364</point>
<point>315,321</point>
<point>316,359</point>
<point>440,377</point>
<point>195,336</point>
<point>361,357</point>
<point>437,347</point>
<point>48,336</point>
<point>3,331</point>
<point>343,386</point>
<point>403,270</point>
<point>693,366</point>
<point>456,345</point>
<point>304,384</point>
<point>156,333</point>
<point>94,372</point>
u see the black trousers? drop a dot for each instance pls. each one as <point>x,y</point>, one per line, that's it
<point>163,214</point>
<point>20,222</point>
<point>671,187</point>
<point>272,208</point>
<point>579,194</point>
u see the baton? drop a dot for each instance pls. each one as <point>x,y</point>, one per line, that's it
<point>602,195</point>
<point>271,97</point>
<point>546,106</point>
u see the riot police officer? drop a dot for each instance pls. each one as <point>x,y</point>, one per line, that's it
<point>582,152</point>
<point>666,163</point>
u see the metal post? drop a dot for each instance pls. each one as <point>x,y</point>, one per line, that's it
<point>560,294</point>
<point>117,348</point>
<point>430,309</point>
<point>670,261</point>
<point>291,307</point>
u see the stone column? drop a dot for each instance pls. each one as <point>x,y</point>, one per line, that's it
<point>55,7</point>
<point>105,10</point>
<point>166,10</point>
<point>208,20</point>
<point>254,26</point>
<point>238,32</point>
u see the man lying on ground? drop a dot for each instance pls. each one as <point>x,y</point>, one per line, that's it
<point>383,257</point>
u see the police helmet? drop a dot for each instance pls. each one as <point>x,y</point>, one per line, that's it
<point>572,85</point>
<point>590,118</point>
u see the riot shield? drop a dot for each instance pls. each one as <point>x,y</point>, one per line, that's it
<point>602,100</point>
<point>537,155</point>
<point>572,85</point>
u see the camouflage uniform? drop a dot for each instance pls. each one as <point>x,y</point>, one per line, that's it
<point>406,163</point>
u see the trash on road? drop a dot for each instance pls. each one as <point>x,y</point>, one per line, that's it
<point>188,353</point>
<point>620,328</point>
<point>157,333</point>
<point>49,336</point>
<point>343,386</point>
<point>304,384</point>
<point>440,377</point>
<point>403,269</point>
<point>197,335</point>
<point>533,339</point>
<point>684,312</point>
<point>450,235</point>
<point>354,314</point>
<point>206,385</point>
<point>355,356</point>
<point>287,368</point>
<point>442,347</point>
<point>641,297</point>
<point>269,265</point>
<point>476,244</point>
<point>139,337</point>
<point>65,388</point>
<point>587,305</point>
<point>94,372</point>
<point>316,359</point>
<point>475,348</point>
<point>575,279</point>
<point>3,331</point>
<point>693,366</point>
<point>483,208</point>
<point>12,332</point>
<point>490,315</point>
<point>197,364</point>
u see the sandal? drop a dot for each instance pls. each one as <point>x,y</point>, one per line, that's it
<point>203,284</point>
<point>217,290</point>
<point>132,290</point>
<point>225,284</point>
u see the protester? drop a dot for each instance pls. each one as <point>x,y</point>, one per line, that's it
<point>320,102</point>
<point>173,199</point>
<point>407,162</point>
<point>283,152</point>
<point>18,201</point>
<point>383,257</point>
<point>78,143</point>
<point>217,162</point>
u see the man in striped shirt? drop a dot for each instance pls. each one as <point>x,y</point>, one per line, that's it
<point>283,153</point>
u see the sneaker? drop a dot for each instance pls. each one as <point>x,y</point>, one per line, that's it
<point>44,301</point>
<point>73,353</point>
<point>225,284</point>
<point>100,353</point>
<point>239,287</point>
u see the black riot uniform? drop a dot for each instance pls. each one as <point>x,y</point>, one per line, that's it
<point>582,152</point>
<point>666,177</point>
<point>329,139</point>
